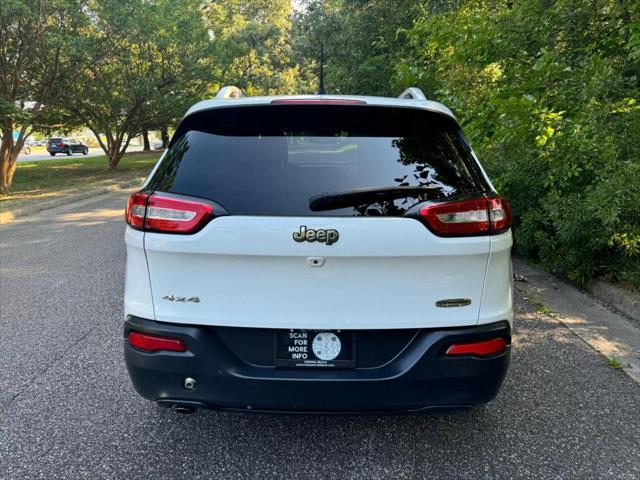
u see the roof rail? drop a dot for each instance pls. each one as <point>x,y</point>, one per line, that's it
<point>412,93</point>
<point>229,92</point>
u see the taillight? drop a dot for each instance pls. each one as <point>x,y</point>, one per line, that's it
<point>477,216</point>
<point>317,101</point>
<point>62,145</point>
<point>153,343</point>
<point>499,214</point>
<point>167,213</point>
<point>478,349</point>
<point>136,207</point>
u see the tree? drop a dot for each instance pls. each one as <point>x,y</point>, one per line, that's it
<point>158,61</point>
<point>40,49</point>
<point>548,94</point>
<point>363,41</point>
<point>252,41</point>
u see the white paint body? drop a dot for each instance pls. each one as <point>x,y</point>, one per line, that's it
<point>383,273</point>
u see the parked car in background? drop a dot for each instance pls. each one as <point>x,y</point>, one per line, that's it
<point>66,145</point>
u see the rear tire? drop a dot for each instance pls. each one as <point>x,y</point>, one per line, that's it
<point>53,154</point>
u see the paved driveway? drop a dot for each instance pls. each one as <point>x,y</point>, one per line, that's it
<point>67,409</point>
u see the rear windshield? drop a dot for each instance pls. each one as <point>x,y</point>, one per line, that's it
<point>55,140</point>
<point>270,160</point>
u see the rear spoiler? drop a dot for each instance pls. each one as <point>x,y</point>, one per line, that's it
<point>230,92</point>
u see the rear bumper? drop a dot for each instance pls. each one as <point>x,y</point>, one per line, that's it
<point>420,377</point>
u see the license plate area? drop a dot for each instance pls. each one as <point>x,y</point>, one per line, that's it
<point>315,348</point>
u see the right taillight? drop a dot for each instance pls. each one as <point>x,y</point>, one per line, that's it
<point>476,216</point>
<point>167,213</point>
<point>499,214</point>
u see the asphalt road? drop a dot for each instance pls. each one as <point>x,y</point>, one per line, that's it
<point>93,152</point>
<point>67,409</point>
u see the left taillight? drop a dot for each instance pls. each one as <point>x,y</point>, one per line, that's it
<point>167,213</point>
<point>136,207</point>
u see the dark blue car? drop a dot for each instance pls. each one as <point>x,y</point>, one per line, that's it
<point>66,145</point>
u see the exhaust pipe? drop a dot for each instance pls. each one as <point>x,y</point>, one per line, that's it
<point>182,405</point>
<point>184,410</point>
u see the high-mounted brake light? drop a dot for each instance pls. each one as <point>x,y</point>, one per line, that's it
<point>153,343</point>
<point>167,213</point>
<point>478,349</point>
<point>477,216</point>
<point>317,101</point>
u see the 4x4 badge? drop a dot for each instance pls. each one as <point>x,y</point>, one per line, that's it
<point>328,236</point>
<point>174,298</point>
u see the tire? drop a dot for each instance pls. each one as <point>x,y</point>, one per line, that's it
<point>69,151</point>
<point>85,151</point>
<point>53,154</point>
<point>27,150</point>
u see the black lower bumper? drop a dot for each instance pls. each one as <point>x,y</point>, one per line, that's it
<point>419,377</point>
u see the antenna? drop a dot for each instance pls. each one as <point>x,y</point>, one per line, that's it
<point>321,90</point>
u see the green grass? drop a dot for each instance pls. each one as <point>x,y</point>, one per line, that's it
<point>537,303</point>
<point>46,179</point>
<point>614,363</point>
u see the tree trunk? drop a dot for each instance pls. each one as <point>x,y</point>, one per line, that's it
<point>8,157</point>
<point>165,137</point>
<point>114,159</point>
<point>117,148</point>
<point>7,169</point>
<point>145,138</point>
<point>114,155</point>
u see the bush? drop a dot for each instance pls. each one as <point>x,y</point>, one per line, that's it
<point>548,94</point>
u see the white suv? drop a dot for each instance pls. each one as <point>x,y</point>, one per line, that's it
<point>318,254</point>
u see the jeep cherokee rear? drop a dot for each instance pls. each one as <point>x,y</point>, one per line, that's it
<point>318,253</point>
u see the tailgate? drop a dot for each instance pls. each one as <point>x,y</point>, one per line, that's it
<point>382,273</point>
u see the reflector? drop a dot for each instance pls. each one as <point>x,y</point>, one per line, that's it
<point>479,349</point>
<point>152,343</point>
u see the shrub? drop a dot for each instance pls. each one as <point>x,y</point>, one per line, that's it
<point>548,94</point>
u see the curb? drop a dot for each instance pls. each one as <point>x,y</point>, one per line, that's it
<point>605,331</point>
<point>621,299</point>
<point>8,217</point>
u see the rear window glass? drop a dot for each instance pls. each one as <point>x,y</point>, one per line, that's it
<point>270,160</point>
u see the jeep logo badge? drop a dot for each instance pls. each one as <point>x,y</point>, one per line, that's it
<point>329,236</point>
